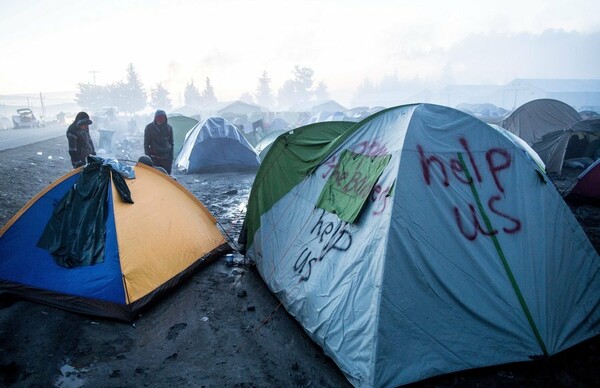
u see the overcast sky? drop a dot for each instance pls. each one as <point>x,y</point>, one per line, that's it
<point>53,45</point>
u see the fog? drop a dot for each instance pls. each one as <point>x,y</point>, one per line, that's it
<point>53,46</point>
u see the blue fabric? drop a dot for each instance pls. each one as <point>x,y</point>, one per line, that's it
<point>22,262</point>
<point>221,152</point>
<point>123,169</point>
<point>217,144</point>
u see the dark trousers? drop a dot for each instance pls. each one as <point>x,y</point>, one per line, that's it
<point>162,161</point>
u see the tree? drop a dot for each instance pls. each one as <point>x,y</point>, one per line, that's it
<point>159,98</point>
<point>303,77</point>
<point>208,94</point>
<point>264,94</point>
<point>92,97</point>
<point>298,89</point>
<point>119,96</point>
<point>132,91</point>
<point>321,91</point>
<point>191,95</point>
<point>247,98</point>
<point>287,94</point>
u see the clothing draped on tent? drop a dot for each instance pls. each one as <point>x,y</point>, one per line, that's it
<point>75,234</point>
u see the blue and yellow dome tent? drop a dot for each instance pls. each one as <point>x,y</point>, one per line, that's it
<point>149,247</point>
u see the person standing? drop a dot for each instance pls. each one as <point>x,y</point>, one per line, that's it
<point>158,141</point>
<point>80,141</point>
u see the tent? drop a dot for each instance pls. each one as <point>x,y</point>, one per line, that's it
<point>579,142</point>
<point>587,186</point>
<point>520,143</point>
<point>216,145</point>
<point>278,124</point>
<point>421,242</point>
<point>181,126</point>
<point>298,150</point>
<point>315,106</point>
<point>330,116</point>
<point>268,139</point>
<point>534,119</point>
<point>187,110</point>
<point>138,251</point>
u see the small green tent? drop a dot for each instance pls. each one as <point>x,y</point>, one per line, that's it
<point>181,126</point>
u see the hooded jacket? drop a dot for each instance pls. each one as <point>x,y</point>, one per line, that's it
<point>80,141</point>
<point>158,139</point>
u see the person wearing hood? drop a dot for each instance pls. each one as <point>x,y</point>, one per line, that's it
<point>158,141</point>
<point>80,141</point>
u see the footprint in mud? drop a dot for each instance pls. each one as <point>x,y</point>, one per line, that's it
<point>174,331</point>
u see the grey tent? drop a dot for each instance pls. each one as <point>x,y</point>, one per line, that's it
<point>531,121</point>
<point>578,143</point>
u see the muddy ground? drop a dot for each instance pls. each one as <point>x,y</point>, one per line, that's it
<point>221,328</point>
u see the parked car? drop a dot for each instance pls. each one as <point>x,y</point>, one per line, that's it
<point>26,119</point>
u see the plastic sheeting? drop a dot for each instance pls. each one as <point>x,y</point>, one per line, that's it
<point>75,234</point>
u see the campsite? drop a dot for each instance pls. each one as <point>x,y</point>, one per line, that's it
<point>223,326</point>
<point>299,194</point>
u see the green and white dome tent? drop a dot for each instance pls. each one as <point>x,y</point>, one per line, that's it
<point>418,242</point>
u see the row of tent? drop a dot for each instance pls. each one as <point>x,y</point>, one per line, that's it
<point>416,242</point>
<point>552,128</point>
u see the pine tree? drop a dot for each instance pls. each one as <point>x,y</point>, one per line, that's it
<point>92,97</point>
<point>159,98</point>
<point>191,95</point>
<point>264,94</point>
<point>287,94</point>
<point>133,93</point>
<point>208,94</point>
<point>298,89</point>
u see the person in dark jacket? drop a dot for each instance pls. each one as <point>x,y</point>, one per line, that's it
<point>158,141</point>
<point>80,141</point>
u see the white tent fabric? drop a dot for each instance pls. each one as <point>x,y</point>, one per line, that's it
<point>420,284</point>
<point>531,121</point>
<point>521,144</point>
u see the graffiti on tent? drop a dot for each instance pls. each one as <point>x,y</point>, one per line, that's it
<point>450,172</point>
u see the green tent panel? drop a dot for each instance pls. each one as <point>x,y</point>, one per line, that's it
<point>181,126</point>
<point>290,158</point>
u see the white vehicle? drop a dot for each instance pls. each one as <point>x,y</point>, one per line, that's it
<point>26,119</point>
